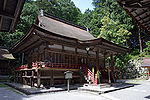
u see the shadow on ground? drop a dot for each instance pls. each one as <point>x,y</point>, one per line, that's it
<point>8,93</point>
<point>148,97</point>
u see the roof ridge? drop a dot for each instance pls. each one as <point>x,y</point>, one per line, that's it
<point>64,21</point>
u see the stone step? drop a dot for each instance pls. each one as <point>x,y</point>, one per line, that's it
<point>105,85</point>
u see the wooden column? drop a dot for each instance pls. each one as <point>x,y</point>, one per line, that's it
<point>109,80</point>
<point>52,78</point>
<point>23,73</point>
<point>104,60</point>
<point>15,76</point>
<point>112,67</point>
<point>32,79</point>
<point>38,78</point>
<point>76,57</point>
<point>21,77</point>
<point>97,65</point>
<point>25,79</point>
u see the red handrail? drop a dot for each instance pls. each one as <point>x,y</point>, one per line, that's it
<point>90,74</point>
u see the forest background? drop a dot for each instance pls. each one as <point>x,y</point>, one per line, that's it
<point>107,20</point>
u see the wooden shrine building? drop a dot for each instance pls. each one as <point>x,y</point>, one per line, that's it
<point>53,46</point>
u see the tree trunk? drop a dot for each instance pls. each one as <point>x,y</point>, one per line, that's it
<point>140,41</point>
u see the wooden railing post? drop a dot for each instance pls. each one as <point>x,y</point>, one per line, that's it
<point>52,78</point>
<point>38,78</point>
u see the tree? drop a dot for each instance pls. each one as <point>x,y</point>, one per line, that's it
<point>65,9</point>
<point>28,17</point>
<point>113,31</point>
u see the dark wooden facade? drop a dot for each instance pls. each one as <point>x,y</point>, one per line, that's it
<point>53,46</point>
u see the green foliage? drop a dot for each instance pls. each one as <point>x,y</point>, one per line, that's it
<point>28,17</point>
<point>92,19</point>
<point>8,40</point>
<point>147,49</point>
<point>65,9</point>
<point>113,31</point>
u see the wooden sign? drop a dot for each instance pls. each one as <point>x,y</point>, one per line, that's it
<point>68,75</point>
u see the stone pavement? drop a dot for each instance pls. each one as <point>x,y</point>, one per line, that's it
<point>7,93</point>
<point>33,90</point>
<point>99,89</point>
<point>140,91</point>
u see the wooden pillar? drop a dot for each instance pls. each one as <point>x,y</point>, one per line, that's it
<point>15,76</point>
<point>109,80</point>
<point>23,73</point>
<point>38,78</point>
<point>76,57</point>
<point>32,79</point>
<point>21,77</point>
<point>52,78</point>
<point>112,67</point>
<point>104,60</point>
<point>25,78</point>
<point>97,66</point>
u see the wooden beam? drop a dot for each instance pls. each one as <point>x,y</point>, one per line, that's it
<point>19,7</point>
<point>131,15</point>
<point>147,23</point>
<point>143,18</point>
<point>106,48</point>
<point>30,46</point>
<point>6,15</point>
<point>144,11</point>
<point>133,10</point>
<point>131,2</point>
<point>4,7</point>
